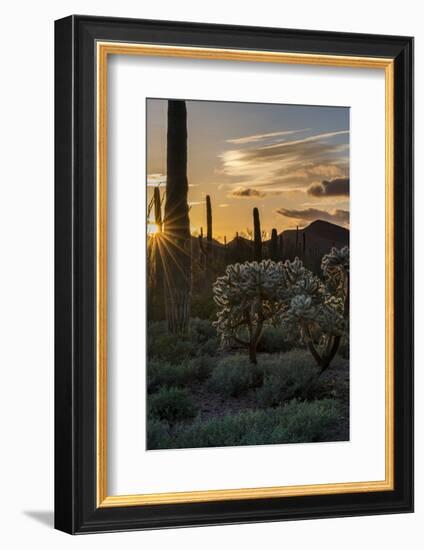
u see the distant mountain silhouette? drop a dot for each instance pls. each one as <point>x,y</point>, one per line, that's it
<point>309,244</point>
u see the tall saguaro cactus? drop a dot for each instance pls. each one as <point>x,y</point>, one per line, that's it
<point>281,246</point>
<point>257,240</point>
<point>207,250</point>
<point>158,209</point>
<point>209,223</point>
<point>158,238</point>
<point>274,245</point>
<point>177,243</point>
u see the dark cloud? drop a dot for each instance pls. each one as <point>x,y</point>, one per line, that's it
<point>247,192</point>
<point>330,188</point>
<point>312,214</point>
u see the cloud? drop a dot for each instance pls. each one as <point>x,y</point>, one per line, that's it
<point>312,214</point>
<point>296,163</point>
<point>153,180</point>
<point>223,205</point>
<point>247,192</point>
<point>261,137</point>
<point>330,188</point>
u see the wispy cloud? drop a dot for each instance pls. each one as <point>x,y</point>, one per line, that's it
<point>337,216</point>
<point>153,180</point>
<point>261,137</point>
<point>289,164</point>
<point>224,205</point>
<point>247,192</point>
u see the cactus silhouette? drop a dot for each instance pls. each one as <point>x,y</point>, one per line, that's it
<point>158,209</point>
<point>257,244</point>
<point>297,241</point>
<point>274,245</point>
<point>209,223</point>
<point>207,250</point>
<point>177,244</point>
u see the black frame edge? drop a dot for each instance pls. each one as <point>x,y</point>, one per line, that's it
<point>64,448</point>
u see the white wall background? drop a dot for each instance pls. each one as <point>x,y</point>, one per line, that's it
<point>26,273</point>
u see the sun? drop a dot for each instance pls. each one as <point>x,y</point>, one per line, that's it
<point>152,229</point>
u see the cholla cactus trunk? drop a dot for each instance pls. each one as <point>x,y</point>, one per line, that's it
<point>177,239</point>
<point>257,244</point>
<point>274,245</point>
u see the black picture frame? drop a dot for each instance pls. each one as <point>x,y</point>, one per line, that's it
<point>76,508</point>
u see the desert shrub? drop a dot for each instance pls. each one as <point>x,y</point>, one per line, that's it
<point>171,404</point>
<point>201,339</point>
<point>202,305</point>
<point>233,376</point>
<point>201,367</point>
<point>285,377</point>
<point>172,348</point>
<point>295,422</point>
<point>163,373</point>
<point>158,435</point>
<point>202,330</point>
<point>309,421</point>
<point>273,341</point>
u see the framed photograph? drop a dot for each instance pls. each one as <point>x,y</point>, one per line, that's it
<point>234,274</point>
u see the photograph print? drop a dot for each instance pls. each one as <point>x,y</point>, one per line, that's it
<point>247,274</point>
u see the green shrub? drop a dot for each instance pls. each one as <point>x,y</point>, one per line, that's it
<point>163,373</point>
<point>202,305</point>
<point>286,376</point>
<point>171,404</point>
<point>158,436</point>
<point>201,367</point>
<point>296,422</point>
<point>234,375</point>
<point>172,348</point>
<point>202,330</point>
<point>201,340</point>
<point>273,341</point>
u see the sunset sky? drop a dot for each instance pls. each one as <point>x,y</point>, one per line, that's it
<point>290,161</point>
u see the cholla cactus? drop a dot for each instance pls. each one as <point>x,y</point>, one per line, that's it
<point>336,269</point>
<point>247,297</point>
<point>252,294</point>
<point>317,311</point>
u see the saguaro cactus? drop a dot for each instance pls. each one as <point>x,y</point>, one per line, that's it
<point>157,243</point>
<point>303,242</point>
<point>158,209</point>
<point>281,245</point>
<point>297,240</point>
<point>207,250</point>
<point>177,243</point>
<point>274,245</point>
<point>209,223</point>
<point>257,237</point>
